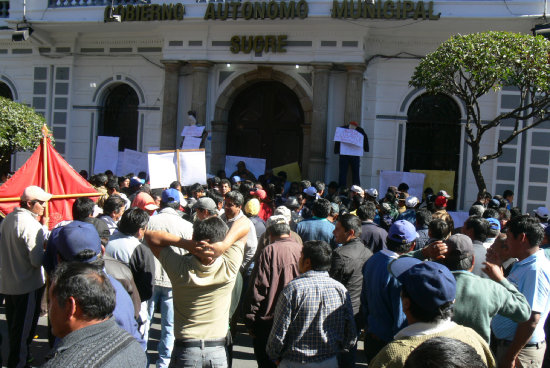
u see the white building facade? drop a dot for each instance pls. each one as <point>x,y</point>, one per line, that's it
<point>268,79</point>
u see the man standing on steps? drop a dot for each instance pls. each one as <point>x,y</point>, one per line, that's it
<point>346,160</point>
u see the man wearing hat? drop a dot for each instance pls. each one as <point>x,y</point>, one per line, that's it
<point>346,161</point>
<point>380,298</point>
<point>441,211</point>
<point>170,221</point>
<point>478,299</point>
<point>79,242</point>
<point>205,207</point>
<point>427,294</point>
<point>410,213</point>
<point>276,266</point>
<point>542,214</point>
<point>21,280</point>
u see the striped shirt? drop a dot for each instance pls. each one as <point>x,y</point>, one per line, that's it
<point>313,320</point>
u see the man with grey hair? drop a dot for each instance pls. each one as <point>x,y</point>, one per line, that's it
<point>276,266</point>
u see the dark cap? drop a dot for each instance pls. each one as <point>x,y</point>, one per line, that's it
<point>75,237</point>
<point>459,247</point>
<point>429,284</point>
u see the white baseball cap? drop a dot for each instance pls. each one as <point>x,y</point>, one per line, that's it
<point>34,193</point>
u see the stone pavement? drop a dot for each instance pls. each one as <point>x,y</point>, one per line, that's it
<point>243,353</point>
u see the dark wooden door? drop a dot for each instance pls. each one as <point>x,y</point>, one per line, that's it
<point>265,122</point>
<point>120,116</point>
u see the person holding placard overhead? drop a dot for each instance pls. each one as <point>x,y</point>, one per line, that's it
<point>347,160</point>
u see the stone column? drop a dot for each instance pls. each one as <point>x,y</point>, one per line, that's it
<point>318,140</point>
<point>169,123</point>
<point>306,129</point>
<point>200,89</point>
<point>354,92</point>
<point>218,146</point>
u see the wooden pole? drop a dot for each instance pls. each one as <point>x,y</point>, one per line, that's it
<point>45,165</point>
<point>55,196</point>
<point>178,167</point>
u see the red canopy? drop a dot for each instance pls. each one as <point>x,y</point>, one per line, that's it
<point>62,181</point>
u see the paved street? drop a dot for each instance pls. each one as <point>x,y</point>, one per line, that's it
<point>243,355</point>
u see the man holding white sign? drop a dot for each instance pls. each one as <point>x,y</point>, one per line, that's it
<point>350,141</point>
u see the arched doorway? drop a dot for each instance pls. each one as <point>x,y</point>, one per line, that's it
<point>265,122</point>
<point>5,91</point>
<point>119,116</point>
<point>433,135</point>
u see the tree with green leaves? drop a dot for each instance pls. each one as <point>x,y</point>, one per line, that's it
<point>474,65</point>
<point>20,129</point>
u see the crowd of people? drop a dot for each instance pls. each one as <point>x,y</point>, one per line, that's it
<point>308,268</point>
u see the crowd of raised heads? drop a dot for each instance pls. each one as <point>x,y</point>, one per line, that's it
<point>262,195</point>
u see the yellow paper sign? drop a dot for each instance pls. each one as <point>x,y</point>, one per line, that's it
<point>292,171</point>
<point>439,180</point>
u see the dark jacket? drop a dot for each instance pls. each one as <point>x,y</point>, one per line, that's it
<point>359,130</point>
<point>123,274</point>
<point>373,236</point>
<point>347,267</point>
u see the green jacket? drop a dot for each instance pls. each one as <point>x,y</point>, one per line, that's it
<point>478,300</point>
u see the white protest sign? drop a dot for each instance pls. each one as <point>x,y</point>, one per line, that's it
<point>131,161</point>
<point>459,218</point>
<point>162,169</point>
<point>192,131</point>
<point>255,165</point>
<point>106,154</point>
<point>349,136</point>
<point>350,149</point>
<point>192,167</point>
<point>415,181</point>
<point>191,143</point>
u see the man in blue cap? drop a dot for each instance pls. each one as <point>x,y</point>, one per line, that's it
<point>427,294</point>
<point>380,301</point>
<point>79,242</point>
<point>167,219</point>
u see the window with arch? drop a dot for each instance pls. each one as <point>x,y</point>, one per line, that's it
<point>5,91</point>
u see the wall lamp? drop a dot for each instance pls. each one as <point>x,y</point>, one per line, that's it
<point>21,33</point>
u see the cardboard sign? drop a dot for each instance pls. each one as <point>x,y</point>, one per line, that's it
<point>292,171</point>
<point>162,169</point>
<point>350,136</point>
<point>131,161</point>
<point>192,131</point>
<point>106,154</point>
<point>192,165</point>
<point>415,181</point>
<point>439,180</point>
<point>459,218</point>
<point>350,149</point>
<point>191,143</point>
<point>255,165</point>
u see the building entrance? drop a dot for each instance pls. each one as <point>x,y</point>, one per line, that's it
<point>433,135</point>
<point>119,116</point>
<point>265,121</point>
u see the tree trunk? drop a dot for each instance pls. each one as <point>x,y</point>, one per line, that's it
<point>476,167</point>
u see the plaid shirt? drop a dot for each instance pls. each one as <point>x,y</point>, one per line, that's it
<point>313,320</point>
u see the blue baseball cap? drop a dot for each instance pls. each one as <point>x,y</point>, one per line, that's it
<point>494,223</point>
<point>135,181</point>
<point>75,237</point>
<point>429,284</point>
<point>402,231</point>
<point>170,195</point>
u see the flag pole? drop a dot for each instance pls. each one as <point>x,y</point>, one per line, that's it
<point>45,166</point>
